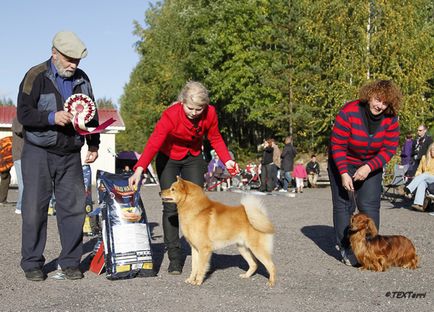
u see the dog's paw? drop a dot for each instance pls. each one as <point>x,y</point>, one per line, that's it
<point>244,275</point>
<point>271,283</point>
<point>190,281</point>
<point>193,281</point>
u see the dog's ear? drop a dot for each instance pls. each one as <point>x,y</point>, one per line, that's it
<point>178,178</point>
<point>371,229</point>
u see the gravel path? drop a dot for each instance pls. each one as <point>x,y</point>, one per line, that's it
<point>309,274</point>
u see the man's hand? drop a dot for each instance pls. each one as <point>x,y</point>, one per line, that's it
<point>92,155</point>
<point>62,118</point>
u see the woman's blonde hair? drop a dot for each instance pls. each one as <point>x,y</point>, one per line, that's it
<point>386,91</point>
<point>194,93</point>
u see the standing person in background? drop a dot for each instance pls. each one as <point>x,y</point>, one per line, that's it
<point>420,146</point>
<point>313,171</point>
<point>17,148</point>
<point>300,175</point>
<point>407,150</point>
<point>276,164</point>
<point>177,140</point>
<point>287,162</point>
<point>364,138</point>
<point>6,164</point>
<point>267,180</point>
<point>51,156</point>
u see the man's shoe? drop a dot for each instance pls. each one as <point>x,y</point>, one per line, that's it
<point>72,273</point>
<point>407,193</point>
<point>417,207</point>
<point>175,268</point>
<point>35,275</point>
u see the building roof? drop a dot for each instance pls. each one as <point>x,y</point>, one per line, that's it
<point>7,114</point>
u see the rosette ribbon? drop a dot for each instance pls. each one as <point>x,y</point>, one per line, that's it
<point>83,109</point>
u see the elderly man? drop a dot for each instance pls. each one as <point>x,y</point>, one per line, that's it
<point>51,156</point>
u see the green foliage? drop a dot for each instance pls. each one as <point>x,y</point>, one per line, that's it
<point>6,101</point>
<point>105,103</point>
<point>277,67</point>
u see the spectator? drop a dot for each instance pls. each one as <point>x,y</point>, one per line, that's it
<point>177,141</point>
<point>313,171</point>
<point>17,148</point>
<point>6,164</point>
<point>51,156</point>
<point>267,179</point>
<point>216,172</point>
<point>300,175</point>
<point>424,176</point>
<point>287,162</point>
<point>364,138</point>
<point>276,164</point>
<point>419,148</point>
<point>407,150</point>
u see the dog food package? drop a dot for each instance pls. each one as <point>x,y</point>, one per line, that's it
<point>125,231</point>
<point>87,179</point>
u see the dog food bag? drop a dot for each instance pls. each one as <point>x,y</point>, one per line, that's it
<point>125,230</point>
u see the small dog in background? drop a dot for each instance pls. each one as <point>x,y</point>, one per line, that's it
<point>377,252</point>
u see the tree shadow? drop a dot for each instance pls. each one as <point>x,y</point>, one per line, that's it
<point>324,237</point>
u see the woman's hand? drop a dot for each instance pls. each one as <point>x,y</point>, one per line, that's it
<point>347,182</point>
<point>362,173</point>
<point>232,167</point>
<point>134,180</point>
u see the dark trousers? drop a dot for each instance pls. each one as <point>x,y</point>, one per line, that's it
<point>4,185</point>
<point>41,172</point>
<point>267,181</point>
<point>367,196</point>
<point>190,168</point>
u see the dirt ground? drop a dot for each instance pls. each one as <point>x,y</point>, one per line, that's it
<point>310,276</point>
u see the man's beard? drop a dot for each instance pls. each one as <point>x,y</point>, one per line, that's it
<point>62,71</point>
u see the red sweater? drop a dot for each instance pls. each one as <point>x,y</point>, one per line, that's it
<point>351,143</point>
<point>175,136</point>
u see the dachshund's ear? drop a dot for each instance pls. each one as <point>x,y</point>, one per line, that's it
<point>371,229</point>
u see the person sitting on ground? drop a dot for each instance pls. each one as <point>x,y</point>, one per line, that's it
<point>313,170</point>
<point>424,176</point>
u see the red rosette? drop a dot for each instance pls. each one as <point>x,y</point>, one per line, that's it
<point>83,110</point>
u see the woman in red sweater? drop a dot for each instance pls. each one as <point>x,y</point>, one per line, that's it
<point>364,138</point>
<point>177,142</point>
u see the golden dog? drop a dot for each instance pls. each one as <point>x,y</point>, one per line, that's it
<point>208,225</point>
<point>379,252</point>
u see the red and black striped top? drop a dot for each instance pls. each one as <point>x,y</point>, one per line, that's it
<point>351,143</point>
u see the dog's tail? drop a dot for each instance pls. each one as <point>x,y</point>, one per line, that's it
<point>257,214</point>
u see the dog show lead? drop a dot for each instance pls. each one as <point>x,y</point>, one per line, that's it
<point>177,141</point>
<point>364,138</point>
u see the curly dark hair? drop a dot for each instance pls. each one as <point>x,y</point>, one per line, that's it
<point>386,91</point>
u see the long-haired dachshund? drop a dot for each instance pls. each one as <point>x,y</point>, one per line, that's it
<point>377,252</point>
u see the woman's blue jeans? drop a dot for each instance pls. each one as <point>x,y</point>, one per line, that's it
<point>367,196</point>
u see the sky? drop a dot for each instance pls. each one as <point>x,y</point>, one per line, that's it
<point>27,28</point>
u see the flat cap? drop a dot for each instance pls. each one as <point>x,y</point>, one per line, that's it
<point>67,43</point>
